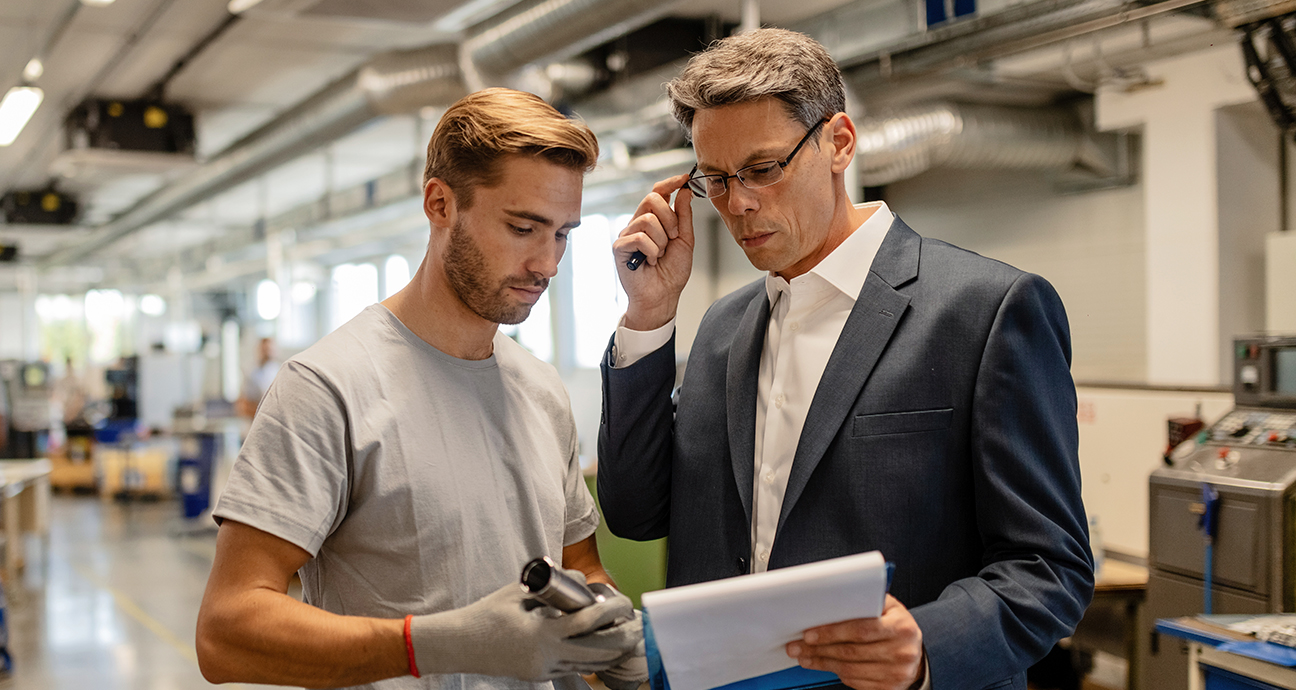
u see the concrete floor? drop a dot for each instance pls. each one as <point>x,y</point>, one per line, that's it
<point>113,602</point>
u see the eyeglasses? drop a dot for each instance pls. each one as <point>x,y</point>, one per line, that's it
<point>753,176</point>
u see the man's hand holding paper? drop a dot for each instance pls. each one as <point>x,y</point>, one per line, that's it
<point>883,653</point>
<point>726,631</point>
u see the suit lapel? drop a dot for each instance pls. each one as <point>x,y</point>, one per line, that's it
<point>740,398</point>
<point>868,329</point>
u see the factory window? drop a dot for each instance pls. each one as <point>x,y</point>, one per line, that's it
<point>267,300</point>
<point>62,327</point>
<point>296,327</point>
<point>354,287</point>
<point>152,305</point>
<point>598,300</point>
<point>104,312</point>
<point>396,274</point>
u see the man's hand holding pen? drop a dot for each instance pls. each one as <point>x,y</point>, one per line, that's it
<point>664,235</point>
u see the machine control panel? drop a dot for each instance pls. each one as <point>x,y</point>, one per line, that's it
<point>1267,428</point>
<point>1264,372</point>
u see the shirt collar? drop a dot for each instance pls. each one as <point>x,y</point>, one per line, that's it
<point>842,267</point>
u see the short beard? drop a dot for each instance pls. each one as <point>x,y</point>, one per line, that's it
<point>465,267</point>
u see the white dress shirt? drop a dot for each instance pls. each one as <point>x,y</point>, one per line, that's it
<point>807,315</point>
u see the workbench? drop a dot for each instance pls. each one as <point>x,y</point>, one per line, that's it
<point>1212,667</point>
<point>25,493</point>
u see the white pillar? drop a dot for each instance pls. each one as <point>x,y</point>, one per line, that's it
<point>1280,279</point>
<point>1177,115</point>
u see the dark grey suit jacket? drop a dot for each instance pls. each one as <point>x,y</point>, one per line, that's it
<point>943,433</point>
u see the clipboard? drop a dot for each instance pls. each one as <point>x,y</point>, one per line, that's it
<point>793,678</point>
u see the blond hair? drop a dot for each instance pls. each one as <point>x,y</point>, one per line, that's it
<point>766,63</point>
<point>477,132</point>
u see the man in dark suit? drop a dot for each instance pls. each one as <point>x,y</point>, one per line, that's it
<point>877,390</point>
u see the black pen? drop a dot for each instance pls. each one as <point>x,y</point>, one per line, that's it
<point>636,260</point>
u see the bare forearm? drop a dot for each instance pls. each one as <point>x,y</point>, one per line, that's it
<point>263,636</point>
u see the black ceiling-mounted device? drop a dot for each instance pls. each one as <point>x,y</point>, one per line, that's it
<point>38,207</point>
<point>130,126</point>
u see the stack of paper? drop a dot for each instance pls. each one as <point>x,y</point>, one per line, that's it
<point>715,633</point>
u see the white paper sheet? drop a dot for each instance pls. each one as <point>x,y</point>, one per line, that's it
<point>720,632</point>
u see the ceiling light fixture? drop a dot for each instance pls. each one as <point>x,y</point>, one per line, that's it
<point>16,109</point>
<point>34,69</point>
<point>97,3</point>
<point>241,6</point>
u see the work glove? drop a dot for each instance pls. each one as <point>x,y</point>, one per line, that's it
<point>631,670</point>
<point>510,633</point>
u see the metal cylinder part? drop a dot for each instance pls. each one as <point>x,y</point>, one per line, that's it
<point>543,579</point>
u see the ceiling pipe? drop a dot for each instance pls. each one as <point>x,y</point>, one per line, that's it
<point>908,142</point>
<point>553,30</point>
<point>1012,31</point>
<point>392,83</point>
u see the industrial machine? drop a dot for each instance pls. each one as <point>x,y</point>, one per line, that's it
<point>29,391</point>
<point>1223,510</point>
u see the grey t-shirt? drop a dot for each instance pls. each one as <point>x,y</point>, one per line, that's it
<point>417,481</point>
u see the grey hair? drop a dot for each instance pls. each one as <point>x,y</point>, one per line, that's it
<point>778,63</point>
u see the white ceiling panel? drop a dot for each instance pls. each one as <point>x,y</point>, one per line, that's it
<point>218,127</point>
<point>236,73</point>
<point>278,28</point>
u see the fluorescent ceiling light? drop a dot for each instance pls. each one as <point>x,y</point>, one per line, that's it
<point>34,69</point>
<point>96,3</point>
<point>241,6</point>
<point>16,109</point>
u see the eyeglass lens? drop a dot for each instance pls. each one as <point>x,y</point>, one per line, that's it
<point>753,176</point>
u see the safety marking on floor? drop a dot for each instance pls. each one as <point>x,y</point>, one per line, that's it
<point>130,608</point>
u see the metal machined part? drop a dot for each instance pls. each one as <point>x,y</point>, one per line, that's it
<point>543,579</point>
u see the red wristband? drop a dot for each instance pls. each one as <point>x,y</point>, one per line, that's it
<point>409,647</point>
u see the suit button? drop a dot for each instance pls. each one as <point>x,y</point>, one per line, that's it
<point>742,564</point>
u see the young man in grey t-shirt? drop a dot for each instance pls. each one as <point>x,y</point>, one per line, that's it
<point>409,463</point>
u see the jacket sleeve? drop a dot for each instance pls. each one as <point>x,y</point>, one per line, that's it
<point>635,444</point>
<point>1037,577</point>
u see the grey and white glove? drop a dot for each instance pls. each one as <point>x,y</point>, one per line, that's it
<point>631,670</point>
<point>506,633</point>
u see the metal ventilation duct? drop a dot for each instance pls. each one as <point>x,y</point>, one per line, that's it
<point>388,84</point>
<point>907,142</point>
<point>554,30</point>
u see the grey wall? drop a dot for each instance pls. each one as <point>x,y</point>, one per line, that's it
<point>1090,246</point>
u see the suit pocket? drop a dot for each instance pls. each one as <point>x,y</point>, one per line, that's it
<point>902,422</point>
